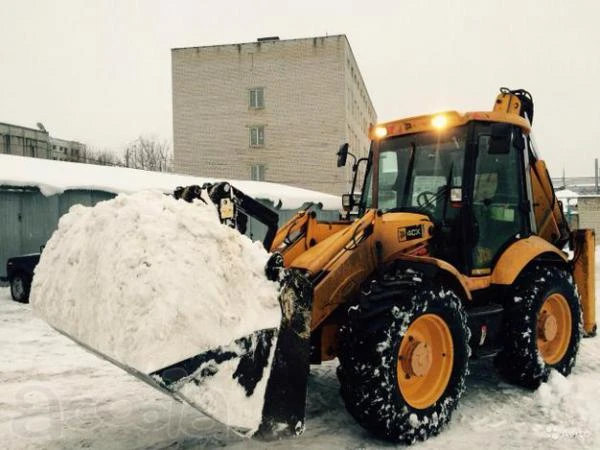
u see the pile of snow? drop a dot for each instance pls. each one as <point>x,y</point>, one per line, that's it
<point>149,281</point>
<point>55,177</point>
<point>568,197</point>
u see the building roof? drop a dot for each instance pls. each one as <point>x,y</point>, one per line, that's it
<point>60,141</point>
<point>55,177</point>
<point>566,193</point>
<point>269,41</point>
<point>12,125</point>
<point>567,196</point>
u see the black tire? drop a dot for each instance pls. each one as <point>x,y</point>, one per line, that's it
<point>369,355</point>
<point>20,285</point>
<point>521,361</point>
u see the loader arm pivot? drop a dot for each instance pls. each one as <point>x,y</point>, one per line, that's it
<point>234,207</point>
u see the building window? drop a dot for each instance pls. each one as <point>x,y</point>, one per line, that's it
<point>257,172</point>
<point>257,98</point>
<point>257,136</point>
<point>6,143</point>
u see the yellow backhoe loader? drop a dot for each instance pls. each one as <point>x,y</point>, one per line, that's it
<point>454,248</point>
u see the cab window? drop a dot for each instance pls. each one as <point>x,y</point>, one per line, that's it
<point>496,199</point>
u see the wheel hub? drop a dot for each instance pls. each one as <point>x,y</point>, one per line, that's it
<point>548,326</point>
<point>554,329</point>
<point>418,359</point>
<point>425,361</point>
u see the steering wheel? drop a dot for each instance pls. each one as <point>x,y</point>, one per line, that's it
<point>423,198</point>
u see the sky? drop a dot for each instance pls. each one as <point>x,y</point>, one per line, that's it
<point>100,71</point>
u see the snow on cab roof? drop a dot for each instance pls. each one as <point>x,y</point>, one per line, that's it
<point>55,177</point>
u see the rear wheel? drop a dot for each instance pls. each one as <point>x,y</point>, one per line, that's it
<point>543,327</point>
<point>20,285</point>
<point>403,370</point>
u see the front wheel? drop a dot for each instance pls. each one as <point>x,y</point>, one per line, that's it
<point>403,372</point>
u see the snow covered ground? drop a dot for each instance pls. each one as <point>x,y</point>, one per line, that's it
<point>55,395</point>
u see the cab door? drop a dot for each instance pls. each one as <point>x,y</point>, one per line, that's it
<point>498,200</point>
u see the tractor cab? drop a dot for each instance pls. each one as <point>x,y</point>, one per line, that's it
<point>465,172</point>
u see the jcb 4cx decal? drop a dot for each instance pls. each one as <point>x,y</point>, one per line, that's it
<point>410,233</point>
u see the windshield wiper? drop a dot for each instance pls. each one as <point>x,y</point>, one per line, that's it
<point>440,193</point>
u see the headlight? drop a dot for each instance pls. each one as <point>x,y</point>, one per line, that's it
<point>439,122</point>
<point>381,132</point>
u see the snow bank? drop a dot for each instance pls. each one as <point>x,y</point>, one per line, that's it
<point>149,281</point>
<point>55,177</point>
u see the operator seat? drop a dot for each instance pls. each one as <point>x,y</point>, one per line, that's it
<point>448,239</point>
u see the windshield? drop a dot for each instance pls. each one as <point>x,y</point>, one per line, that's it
<point>417,171</point>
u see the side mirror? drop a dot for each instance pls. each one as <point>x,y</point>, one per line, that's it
<point>346,202</point>
<point>342,155</point>
<point>500,138</point>
<point>349,201</point>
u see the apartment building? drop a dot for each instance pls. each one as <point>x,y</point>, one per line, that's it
<point>271,110</point>
<point>64,150</point>
<point>37,143</point>
<point>24,141</point>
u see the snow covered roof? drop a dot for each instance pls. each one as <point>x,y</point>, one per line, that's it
<point>567,197</point>
<point>566,193</point>
<point>55,177</point>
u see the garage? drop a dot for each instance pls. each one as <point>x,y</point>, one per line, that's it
<point>35,193</point>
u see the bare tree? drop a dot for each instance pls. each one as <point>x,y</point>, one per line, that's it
<point>101,157</point>
<point>149,153</point>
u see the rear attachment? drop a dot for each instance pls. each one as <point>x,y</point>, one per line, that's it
<point>583,242</point>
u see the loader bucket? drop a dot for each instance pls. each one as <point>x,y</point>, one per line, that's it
<point>283,408</point>
<point>256,385</point>
<point>247,371</point>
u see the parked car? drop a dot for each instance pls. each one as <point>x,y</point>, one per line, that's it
<point>19,273</point>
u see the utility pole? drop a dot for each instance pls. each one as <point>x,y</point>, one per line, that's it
<point>596,175</point>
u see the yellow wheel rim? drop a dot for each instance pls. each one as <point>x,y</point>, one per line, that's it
<point>425,360</point>
<point>553,328</point>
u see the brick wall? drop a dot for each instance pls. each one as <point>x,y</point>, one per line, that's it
<point>306,117</point>
<point>589,212</point>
